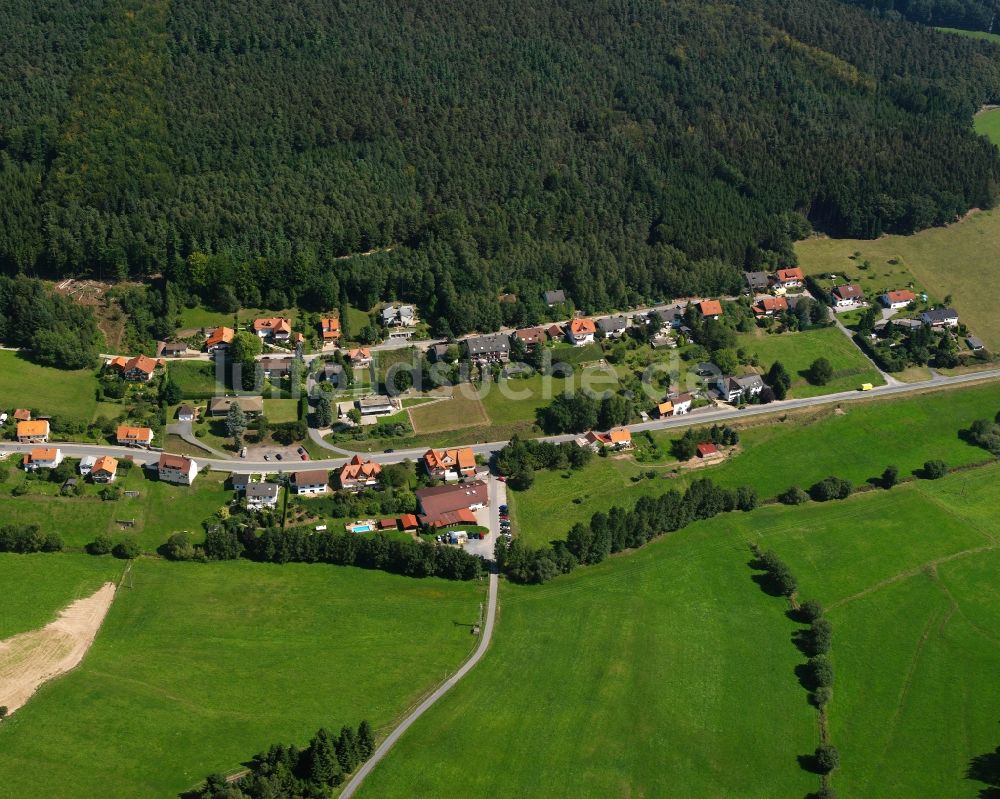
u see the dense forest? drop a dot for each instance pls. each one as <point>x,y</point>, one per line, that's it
<point>976,15</point>
<point>621,149</point>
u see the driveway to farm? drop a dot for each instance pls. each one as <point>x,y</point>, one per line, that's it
<point>705,415</point>
<point>484,642</point>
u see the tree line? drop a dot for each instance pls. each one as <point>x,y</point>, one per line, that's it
<point>288,772</point>
<point>620,529</point>
<point>333,130</point>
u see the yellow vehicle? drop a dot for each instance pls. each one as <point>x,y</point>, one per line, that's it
<point>867,386</point>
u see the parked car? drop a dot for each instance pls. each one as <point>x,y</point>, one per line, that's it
<point>278,456</point>
<point>304,456</point>
<point>267,457</point>
<point>503,508</point>
<point>243,452</point>
<point>301,451</point>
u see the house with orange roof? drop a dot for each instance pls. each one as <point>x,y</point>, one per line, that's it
<point>616,438</point>
<point>359,474</point>
<point>362,356</point>
<point>176,469</point>
<point>710,309</point>
<point>42,458</point>
<point>139,369</point>
<point>581,331</point>
<point>22,415</point>
<point>898,299</point>
<point>769,306</point>
<point>219,339</point>
<point>450,464</point>
<point>274,327</point>
<point>127,436</point>
<point>104,470</point>
<point>788,278</point>
<point>33,432</point>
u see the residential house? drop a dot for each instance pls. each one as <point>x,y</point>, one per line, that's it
<point>845,296</point>
<point>710,309</point>
<point>329,327</point>
<point>490,347</point>
<point>435,503</point>
<point>171,349</point>
<point>139,369</point>
<point>757,282</point>
<point>388,524</point>
<point>581,331</point>
<point>682,404</point>
<point>332,373</point>
<point>769,306</point>
<point>612,326</point>
<point>262,495</point>
<point>752,385</point>
<point>276,328</point>
<point>219,406</point>
<point>22,415</point>
<point>312,481</point>
<point>898,299</point>
<point>87,464</point>
<point>187,413</point>
<point>975,344</point>
<point>438,353</point>
<point>33,432</point>
<point>408,522</point>
<point>127,436</point>
<point>359,357</point>
<point>555,297</point>
<point>617,438</point>
<point>359,474</point>
<point>239,482</point>
<point>176,469</point>
<point>907,324</point>
<point>376,405</point>
<point>788,278</point>
<point>219,339</point>
<point>105,469</point>
<point>450,464</point>
<point>276,368</point>
<point>665,409</point>
<point>530,337</point>
<point>42,458</point>
<point>555,332</point>
<point>729,389</point>
<point>399,316</point>
<point>940,317</point>
<point>670,317</point>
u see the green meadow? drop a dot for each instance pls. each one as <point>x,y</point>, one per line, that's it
<point>200,666</point>
<point>36,587</point>
<point>55,392</point>
<point>856,442</point>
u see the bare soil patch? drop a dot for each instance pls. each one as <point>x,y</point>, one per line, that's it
<point>30,659</point>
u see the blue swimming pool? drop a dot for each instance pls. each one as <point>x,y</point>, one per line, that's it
<point>362,528</point>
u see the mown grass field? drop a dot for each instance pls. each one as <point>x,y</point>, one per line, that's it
<point>464,409</point>
<point>55,392</point>
<point>987,123</point>
<point>281,410</point>
<point>159,510</point>
<point>989,37</point>
<point>958,260</point>
<point>200,666</point>
<point>663,673</point>
<point>36,587</point>
<point>910,582</point>
<point>196,378</point>
<point>855,445</point>
<point>797,351</point>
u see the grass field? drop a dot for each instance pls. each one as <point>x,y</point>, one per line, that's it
<point>200,666</point>
<point>989,37</point>
<point>281,410</point>
<point>797,351</point>
<point>464,409</point>
<point>356,319</point>
<point>196,378</point>
<point>619,680</point>
<point>856,445</point>
<point>159,510</point>
<point>987,123</point>
<point>51,391</point>
<point>666,673</point>
<point>913,599</point>
<point>38,586</point>
<point>957,260</point>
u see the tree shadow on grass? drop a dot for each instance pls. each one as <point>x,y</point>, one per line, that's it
<point>765,581</point>
<point>986,768</point>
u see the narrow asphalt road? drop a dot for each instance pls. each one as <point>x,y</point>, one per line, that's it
<point>706,415</point>
<point>185,430</point>
<point>447,685</point>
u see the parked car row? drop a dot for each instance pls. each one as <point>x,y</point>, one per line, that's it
<point>505,525</point>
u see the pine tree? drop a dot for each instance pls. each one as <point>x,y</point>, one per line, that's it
<point>366,740</point>
<point>321,756</point>
<point>236,423</point>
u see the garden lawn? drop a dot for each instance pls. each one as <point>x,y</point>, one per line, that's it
<point>797,351</point>
<point>909,578</point>
<point>957,260</point>
<point>36,587</point>
<point>281,410</point>
<point>197,379</point>
<point>159,510</point>
<point>200,666</point>
<point>855,445</point>
<point>463,410</point>
<point>56,392</point>
<point>356,320</point>
<point>666,672</point>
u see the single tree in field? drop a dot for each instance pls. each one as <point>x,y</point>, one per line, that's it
<point>890,477</point>
<point>826,758</point>
<point>236,423</point>
<point>820,372</point>
<point>779,380</point>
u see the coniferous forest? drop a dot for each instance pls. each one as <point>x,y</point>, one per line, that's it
<point>619,149</point>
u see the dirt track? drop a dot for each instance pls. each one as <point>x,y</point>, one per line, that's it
<point>28,660</point>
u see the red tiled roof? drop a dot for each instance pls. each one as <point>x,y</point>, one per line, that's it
<point>463,458</point>
<point>330,326</point>
<point>168,461</point>
<point>126,433</point>
<point>408,521</point>
<point>786,275</point>
<point>581,327</point>
<point>900,296</point>
<point>39,427</point>
<point>309,477</point>
<point>221,335</point>
<point>710,308</point>
<point>770,305</point>
<point>359,468</point>
<point>275,324</point>
<point>22,415</point>
<point>105,464</point>
<point>849,292</point>
<point>143,363</point>
<point>707,449</point>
